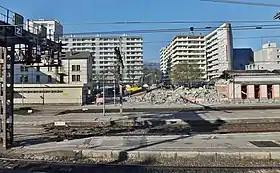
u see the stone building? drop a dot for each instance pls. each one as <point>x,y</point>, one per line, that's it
<point>250,84</point>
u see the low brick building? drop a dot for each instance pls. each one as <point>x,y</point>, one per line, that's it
<point>250,84</point>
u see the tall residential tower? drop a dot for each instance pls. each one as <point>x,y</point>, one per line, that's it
<point>212,53</point>
<point>102,48</point>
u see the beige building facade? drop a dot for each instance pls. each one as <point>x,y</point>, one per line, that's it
<point>50,94</point>
<point>258,85</point>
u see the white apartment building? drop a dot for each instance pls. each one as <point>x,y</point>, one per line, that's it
<point>267,58</point>
<point>184,48</point>
<point>104,58</point>
<point>69,83</point>
<point>53,27</point>
<point>75,69</point>
<point>163,62</point>
<point>212,52</point>
<point>219,51</point>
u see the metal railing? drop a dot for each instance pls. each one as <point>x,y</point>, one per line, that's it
<point>6,15</point>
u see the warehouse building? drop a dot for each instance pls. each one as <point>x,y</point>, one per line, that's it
<point>50,94</point>
<point>70,83</point>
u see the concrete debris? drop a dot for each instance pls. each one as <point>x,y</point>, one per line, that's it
<point>180,95</point>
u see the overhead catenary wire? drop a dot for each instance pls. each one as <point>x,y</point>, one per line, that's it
<point>166,30</point>
<point>243,3</point>
<point>170,22</point>
<point>199,29</point>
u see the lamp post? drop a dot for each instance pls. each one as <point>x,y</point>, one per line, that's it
<point>22,97</point>
<point>43,95</point>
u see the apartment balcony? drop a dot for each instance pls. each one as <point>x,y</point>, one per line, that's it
<point>212,54</point>
<point>212,63</point>
<point>213,68</point>
<point>212,49</point>
<point>190,48</point>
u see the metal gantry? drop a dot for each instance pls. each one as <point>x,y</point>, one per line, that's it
<point>19,46</point>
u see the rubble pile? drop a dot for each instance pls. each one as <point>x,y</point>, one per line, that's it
<point>180,95</point>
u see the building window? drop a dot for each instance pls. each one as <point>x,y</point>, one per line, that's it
<point>24,79</point>
<point>76,68</point>
<point>49,78</point>
<point>37,78</point>
<point>23,68</point>
<point>76,78</point>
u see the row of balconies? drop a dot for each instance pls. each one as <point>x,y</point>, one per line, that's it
<point>214,47</point>
<point>212,58</point>
<point>213,53</point>
<point>189,55</point>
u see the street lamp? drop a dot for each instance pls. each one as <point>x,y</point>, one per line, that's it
<point>43,95</point>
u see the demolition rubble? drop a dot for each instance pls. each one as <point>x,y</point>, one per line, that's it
<point>181,95</point>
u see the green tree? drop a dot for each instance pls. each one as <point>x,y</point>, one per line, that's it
<point>150,76</point>
<point>185,72</point>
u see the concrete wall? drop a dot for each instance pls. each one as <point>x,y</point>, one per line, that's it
<point>236,93</point>
<point>263,91</point>
<point>234,87</point>
<point>251,91</point>
<point>228,91</point>
<point>50,94</point>
<point>276,91</point>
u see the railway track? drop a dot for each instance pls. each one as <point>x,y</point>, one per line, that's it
<point>195,128</point>
<point>21,165</point>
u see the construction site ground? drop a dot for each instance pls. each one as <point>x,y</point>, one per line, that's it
<point>34,141</point>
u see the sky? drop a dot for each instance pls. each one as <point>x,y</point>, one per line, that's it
<point>76,16</point>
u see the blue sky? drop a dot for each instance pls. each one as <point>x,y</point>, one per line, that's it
<point>85,11</point>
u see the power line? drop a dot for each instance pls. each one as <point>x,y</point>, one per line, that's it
<point>170,30</point>
<point>202,29</point>
<point>159,22</point>
<point>171,22</point>
<point>243,3</point>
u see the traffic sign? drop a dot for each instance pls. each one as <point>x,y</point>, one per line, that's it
<point>18,31</point>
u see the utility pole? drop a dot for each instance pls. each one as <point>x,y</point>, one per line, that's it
<point>114,91</point>
<point>121,78</point>
<point>103,94</point>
